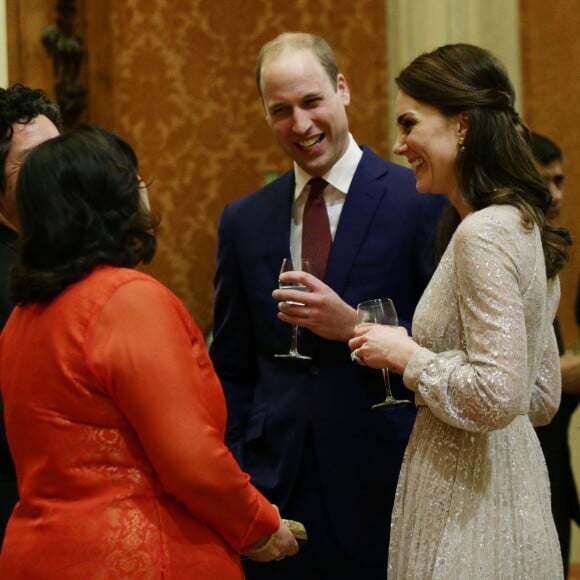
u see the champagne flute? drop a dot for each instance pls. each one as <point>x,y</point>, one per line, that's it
<point>381,311</point>
<point>287,266</point>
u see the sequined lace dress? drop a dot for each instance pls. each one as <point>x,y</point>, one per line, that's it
<point>473,495</point>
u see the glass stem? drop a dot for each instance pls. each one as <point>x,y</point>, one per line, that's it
<point>294,339</point>
<point>387,382</point>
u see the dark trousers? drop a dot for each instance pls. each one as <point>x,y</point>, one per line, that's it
<point>321,557</point>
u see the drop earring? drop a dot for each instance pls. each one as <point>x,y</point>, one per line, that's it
<point>460,143</point>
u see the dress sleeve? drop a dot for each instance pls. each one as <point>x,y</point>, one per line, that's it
<point>483,385</point>
<point>152,359</point>
<point>548,387</point>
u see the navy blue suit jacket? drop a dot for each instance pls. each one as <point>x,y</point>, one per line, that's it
<point>383,248</point>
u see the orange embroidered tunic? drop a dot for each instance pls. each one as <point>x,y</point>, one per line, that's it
<point>115,419</point>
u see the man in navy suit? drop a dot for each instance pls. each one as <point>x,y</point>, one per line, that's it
<point>304,429</point>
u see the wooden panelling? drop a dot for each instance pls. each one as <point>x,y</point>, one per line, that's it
<point>28,61</point>
<point>550,48</point>
<point>96,27</point>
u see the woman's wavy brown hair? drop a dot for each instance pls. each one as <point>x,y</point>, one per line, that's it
<point>496,166</point>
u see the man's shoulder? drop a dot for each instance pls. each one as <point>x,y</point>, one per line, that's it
<point>268,193</point>
<point>396,177</point>
<point>283,182</point>
<point>372,163</point>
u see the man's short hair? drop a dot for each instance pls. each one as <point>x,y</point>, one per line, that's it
<point>21,104</point>
<point>299,41</point>
<point>545,150</point>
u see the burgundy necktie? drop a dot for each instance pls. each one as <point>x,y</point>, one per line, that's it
<point>316,238</point>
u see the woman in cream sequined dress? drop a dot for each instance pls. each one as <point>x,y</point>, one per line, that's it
<point>473,500</point>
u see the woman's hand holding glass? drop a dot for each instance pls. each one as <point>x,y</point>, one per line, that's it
<point>381,346</point>
<point>380,343</point>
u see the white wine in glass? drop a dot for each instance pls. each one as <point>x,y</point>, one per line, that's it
<point>381,311</point>
<point>288,266</point>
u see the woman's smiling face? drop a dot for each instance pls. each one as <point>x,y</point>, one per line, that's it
<point>431,142</point>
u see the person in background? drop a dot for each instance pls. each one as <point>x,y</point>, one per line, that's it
<point>114,414</point>
<point>304,429</point>
<point>27,117</point>
<point>554,436</point>
<point>473,499</point>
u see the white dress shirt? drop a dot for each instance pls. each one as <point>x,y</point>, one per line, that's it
<point>339,179</point>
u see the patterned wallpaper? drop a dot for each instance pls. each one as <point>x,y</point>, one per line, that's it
<point>183,93</point>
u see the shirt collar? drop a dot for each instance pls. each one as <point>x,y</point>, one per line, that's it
<point>341,173</point>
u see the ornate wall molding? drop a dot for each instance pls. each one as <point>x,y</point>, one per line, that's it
<point>67,52</point>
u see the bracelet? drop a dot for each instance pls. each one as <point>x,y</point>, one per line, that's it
<point>266,545</point>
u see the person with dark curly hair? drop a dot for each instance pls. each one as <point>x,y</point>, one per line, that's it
<point>554,436</point>
<point>114,413</point>
<point>473,497</point>
<point>27,117</point>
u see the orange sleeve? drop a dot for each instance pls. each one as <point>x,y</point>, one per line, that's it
<point>152,361</point>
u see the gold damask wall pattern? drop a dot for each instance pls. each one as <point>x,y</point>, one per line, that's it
<point>183,93</point>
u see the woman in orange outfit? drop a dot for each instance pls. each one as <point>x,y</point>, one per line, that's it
<point>114,415</point>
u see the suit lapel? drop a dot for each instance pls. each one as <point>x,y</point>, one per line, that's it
<point>275,221</point>
<point>366,192</point>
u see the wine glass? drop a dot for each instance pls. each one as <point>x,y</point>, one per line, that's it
<point>288,266</point>
<point>381,311</point>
